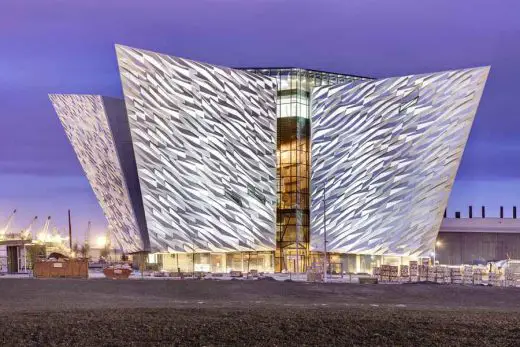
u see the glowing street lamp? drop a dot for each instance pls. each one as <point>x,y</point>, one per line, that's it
<point>434,254</point>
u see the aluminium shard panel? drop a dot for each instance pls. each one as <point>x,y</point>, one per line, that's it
<point>104,155</point>
<point>205,141</point>
<point>384,157</point>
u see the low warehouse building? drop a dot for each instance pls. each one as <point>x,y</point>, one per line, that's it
<point>478,240</point>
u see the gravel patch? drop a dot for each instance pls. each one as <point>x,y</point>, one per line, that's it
<point>224,313</point>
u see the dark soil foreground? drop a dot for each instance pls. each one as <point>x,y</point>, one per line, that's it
<point>137,313</point>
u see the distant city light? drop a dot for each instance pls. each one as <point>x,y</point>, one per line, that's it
<point>101,241</point>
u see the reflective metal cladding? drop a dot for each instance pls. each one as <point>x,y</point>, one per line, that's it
<point>384,158</point>
<point>188,161</point>
<point>106,160</point>
<point>205,140</point>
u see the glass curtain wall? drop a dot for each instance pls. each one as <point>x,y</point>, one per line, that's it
<point>293,162</point>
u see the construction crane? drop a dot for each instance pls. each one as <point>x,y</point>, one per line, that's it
<point>42,235</point>
<point>4,230</point>
<point>27,235</point>
<point>28,231</point>
<point>87,234</point>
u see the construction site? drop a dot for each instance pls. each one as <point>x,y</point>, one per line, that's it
<point>469,251</point>
<point>21,249</point>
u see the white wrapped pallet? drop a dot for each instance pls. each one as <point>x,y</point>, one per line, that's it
<point>404,272</point>
<point>414,268</point>
<point>468,274</point>
<point>432,274</point>
<point>440,274</point>
<point>456,275</point>
<point>423,273</point>
<point>414,271</point>
<point>447,275</point>
<point>376,271</point>
<point>494,279</point>
<point>510,277</point>
<point>384,273</point>
<point>394,273</point>
<point>477,276</point>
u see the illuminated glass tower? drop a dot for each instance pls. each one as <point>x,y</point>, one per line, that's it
<point>293,160</point>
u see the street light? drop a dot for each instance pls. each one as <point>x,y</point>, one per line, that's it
<point>437,244</point>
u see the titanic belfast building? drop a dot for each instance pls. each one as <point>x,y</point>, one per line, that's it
<point>215,169</point>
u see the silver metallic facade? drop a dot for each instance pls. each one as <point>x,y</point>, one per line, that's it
<point>384,157</point>
<point>204,139</point>
<point>195,160</point>
<point>86,120</point>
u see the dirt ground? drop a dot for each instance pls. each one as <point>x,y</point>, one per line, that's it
<point>207,313</point>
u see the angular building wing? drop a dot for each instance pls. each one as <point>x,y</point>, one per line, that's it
<point>205,140</point>
<point>100,137</point>
<point>384,157</point>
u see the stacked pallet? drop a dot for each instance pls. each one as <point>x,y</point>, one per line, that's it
<point>414,271</point>
<point>405,273</point>
<point>384,274</point>
<point>423,273</point>
<point>494,279</point>
<point>376,271</point>
<point>432,273</point>
<point>510,277</point>
<point>468,274</point>
<point>447,274</point>
<point>456,275</point>
<point>394,273</point>
<point>477,276</point>
<point>441,274</point>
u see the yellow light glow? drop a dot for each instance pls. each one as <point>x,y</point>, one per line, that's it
<point>45,237</point>
<point>438,243</point>
<point>101,241</point>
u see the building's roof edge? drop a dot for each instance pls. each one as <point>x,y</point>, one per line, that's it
<point>302,69</point>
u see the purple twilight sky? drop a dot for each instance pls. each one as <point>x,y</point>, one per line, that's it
<point>68,47</point>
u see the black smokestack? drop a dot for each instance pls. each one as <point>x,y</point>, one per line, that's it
<point>457,214</point>
<point>470,211</point>
<point>514,212</point>
<point>501,211</point>
<point>483,211</point>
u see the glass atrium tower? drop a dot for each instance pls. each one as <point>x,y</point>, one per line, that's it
<point>293,110</point>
